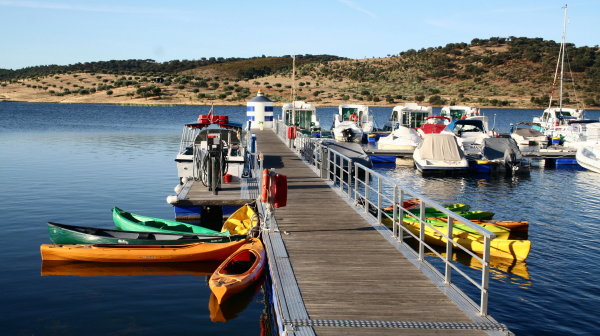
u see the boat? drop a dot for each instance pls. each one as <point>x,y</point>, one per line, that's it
<point>458,112</point>
<point>433,124</point>
<point>240,270</point>
<point>72,234</point>
<point>402,138</point>
<point>302,115</point>
<point>87,269</point>
<point>589,157</point>
<point>241,221</point>
<point>212,151</point>
<point>501,248</point>
<point>117,253</point>
<point>528,136</point>
<point>499,155</point>
<point>352,122</point>
<point>471,132</point>
<point>440,153</point>
<point>555,120</point>
<point>458,227</point>
<point>581,133</point>
<point>409,115</point>
<point>132,222</point>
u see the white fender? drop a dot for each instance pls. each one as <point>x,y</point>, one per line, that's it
<point>178,188</point>
<point>171,199</point>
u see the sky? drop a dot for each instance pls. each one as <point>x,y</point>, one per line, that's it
<point>41,32</point>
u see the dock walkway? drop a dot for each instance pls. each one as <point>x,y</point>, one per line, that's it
<point>344,277</point>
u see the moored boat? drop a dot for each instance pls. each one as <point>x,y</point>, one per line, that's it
<point>501,248</point>
<point>499,231</point>
<point>352,122</point>
<point>239,270</point>
<point>72,234</point>
<point>241,221</point>
<point>409,115</point>
<point>132,222</point>
<point>439,153</point>
<point>140,253</point>
<point>589,157</point>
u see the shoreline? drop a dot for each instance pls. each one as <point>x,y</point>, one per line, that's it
<point>225,103</point>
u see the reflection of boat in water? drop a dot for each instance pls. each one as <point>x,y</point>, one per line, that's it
<point>229,309</point>
<point>500,268</point>
<point>79,268</point>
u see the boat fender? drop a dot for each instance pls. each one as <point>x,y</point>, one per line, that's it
<point>178,188</point>
<point>184,180</point>
<point>264,195</point>
<point>279,190</point>
<point>171,199</point>
<point>353,117</point>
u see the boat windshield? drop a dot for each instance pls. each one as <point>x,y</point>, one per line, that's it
<point>413,119</point>
<point>347,111</point>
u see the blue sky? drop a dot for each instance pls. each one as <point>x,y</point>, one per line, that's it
<point>40,32</point>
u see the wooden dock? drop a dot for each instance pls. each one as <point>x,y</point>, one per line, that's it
<point>334,273</point>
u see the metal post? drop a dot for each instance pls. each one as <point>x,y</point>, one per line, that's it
<point>485,277</point>
<point>422,231</point>
<point>355,184</point>
<point>448,269</point>
<point>379,191</point>
<point>366,191</point>
<point>395,212</point>
<point>401,215</point>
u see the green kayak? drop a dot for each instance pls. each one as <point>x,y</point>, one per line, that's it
<point>471,214</point>
<point>72,234</point>
<point>131,222</point>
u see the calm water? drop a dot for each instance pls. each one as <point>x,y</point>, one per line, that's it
<point>73,163</point>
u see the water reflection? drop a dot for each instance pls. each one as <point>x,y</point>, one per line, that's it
<point>90,269</point>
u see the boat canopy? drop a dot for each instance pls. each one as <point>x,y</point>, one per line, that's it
<point>466,125</point>
<point>443,147</point>
<point>498,148</point>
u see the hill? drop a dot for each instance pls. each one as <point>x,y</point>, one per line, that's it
<point>506,72</point>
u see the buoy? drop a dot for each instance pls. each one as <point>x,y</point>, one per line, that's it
<point>171,199</point>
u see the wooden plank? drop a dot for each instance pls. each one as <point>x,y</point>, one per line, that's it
<point>344,268</point>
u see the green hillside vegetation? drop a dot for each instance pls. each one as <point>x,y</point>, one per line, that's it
<point>503,72</point>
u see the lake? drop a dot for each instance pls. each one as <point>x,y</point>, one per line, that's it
<point>72,163</point>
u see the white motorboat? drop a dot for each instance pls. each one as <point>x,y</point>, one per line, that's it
<point>409,115</point>
<point>352,122</point>
<point>440,152</point>
<point>589,157</point>
<point>402,138</point>
<point>528,136</point>
<point>581,133</point>
<point>458,112</point>
<point>555,120</point>
<point>471,132</point>
<point>302,115</point>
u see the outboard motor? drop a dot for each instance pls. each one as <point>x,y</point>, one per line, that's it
<point>348,134</point>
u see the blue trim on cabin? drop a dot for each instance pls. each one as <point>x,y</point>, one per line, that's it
<point>251,118</point>
<point>268,118</point>
<point>268,108</point>
<point>250,109</point>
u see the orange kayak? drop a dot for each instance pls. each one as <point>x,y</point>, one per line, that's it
<point>239,271</point>
<point>140,253</point>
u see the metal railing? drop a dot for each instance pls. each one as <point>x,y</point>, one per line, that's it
<point>371,192</point>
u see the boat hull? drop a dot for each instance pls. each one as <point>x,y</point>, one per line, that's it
<point>140,253</point>
<point>227,280</point>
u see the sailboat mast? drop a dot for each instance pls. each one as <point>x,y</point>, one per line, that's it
<point>562,58</point>
<point>293,121</point>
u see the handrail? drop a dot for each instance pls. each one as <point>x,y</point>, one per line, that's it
<point>369,190</point>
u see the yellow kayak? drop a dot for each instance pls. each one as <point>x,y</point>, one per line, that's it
<point>501,248</point>
<point>241,221</point>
